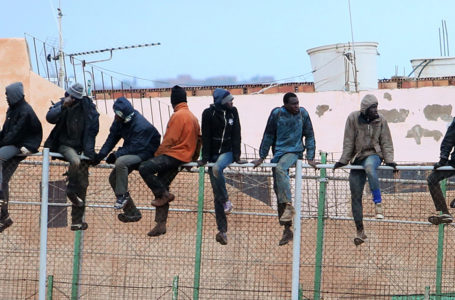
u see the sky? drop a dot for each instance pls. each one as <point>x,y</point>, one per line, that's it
<point>245,39</point>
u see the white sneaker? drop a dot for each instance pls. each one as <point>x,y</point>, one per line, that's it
<point>379,211</point>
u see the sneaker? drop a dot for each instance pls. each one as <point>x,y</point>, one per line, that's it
<point>288,213</point>
<point>75,199</point>
<point>159,229</point>
<point>228,207</point>
<point>163,200</point>
<point>125,218</point>
<point>5,223</point>
<point>81,226</point>
<point>441,219</point>
<point>287,236</point>
<point>221,237</point>
<point>122,200</point>
<point>452,203</point>
<point>360,238</point>
<point>378,210</point>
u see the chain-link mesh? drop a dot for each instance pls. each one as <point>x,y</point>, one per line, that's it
<point>119,261</point>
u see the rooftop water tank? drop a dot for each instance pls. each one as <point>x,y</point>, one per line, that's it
<point>433,67</point>
<point>333,66</point>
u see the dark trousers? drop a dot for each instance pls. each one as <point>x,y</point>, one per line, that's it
<point>435,189</point>
<point>158,173</point>
<point>9,167</point>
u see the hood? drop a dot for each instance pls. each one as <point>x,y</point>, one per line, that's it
<point>124,106</point>
<point>367,101</point>
<point>15,93</point>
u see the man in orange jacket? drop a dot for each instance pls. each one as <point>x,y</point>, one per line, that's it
<point>178,147</point>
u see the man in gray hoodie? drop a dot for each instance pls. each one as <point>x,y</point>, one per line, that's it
<point>367,142</point>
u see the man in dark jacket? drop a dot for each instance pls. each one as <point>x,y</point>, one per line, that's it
<point>221,145</point>
<point>286,127</point>
<point>447,145</point>
<point>21,133</point>
<point>140,141</point>
<point>76,126</point>
<point>367,142</point>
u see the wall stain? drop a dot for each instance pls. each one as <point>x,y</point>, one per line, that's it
<point>417,132</point>
<point>435,111</point>
<point>388,96</point>
<point>321,109</point>
<point>395,116</point>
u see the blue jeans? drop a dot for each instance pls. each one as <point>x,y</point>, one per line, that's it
<point>281,184</point>
<point>219,186</point>
<point>357,179</point>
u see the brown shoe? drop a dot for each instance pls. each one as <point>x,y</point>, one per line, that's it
<point>165,198</point>
<point>159,229</point>
<point>287,236</point>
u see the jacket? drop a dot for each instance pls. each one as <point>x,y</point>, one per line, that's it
<point>22,127</point>
<point>91,126</point>
<point>448,143</point>
<point>362,139</point>
<point>284,132</point>
<point>182,132</point>
<point>220,132</point>
<point>139,136</point>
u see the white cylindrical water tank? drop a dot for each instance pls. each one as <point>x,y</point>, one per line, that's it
<point>333,66</point>
<point>433,67</point>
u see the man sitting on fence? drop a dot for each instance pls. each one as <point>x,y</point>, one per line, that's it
<point>141,139</point>
<point>21,133</point>
<point>447,146</point>
<point>367,141</point>
<point>286,127</point>
<point>220,144</point>
<point>76,126</point>
<point>179,146</point>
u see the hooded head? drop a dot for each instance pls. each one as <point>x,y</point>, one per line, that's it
<point>222,97</point>
<point>367,101</point>
<point>14,93</point>
<point>178,95</point>
<point>76,91</point>
<point>123,109</point>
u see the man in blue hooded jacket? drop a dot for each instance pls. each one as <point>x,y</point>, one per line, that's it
<point>140,141</point>
<point>286,127</point>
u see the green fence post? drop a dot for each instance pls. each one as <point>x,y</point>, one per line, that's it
<point>175,288</point>
<point>300,293</point>
<point>50,286</point>
<point>76,265</point>
<point>440,259</point>
<point>320,230</point>
<point>200,207</point>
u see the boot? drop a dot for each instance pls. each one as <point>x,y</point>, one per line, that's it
<point>221,237</point>
<point>379,211</point>
<point>165,198</point>
<point>360,238</point>
<point>5,223</point>
<point>288,213</point>
<point>126,218</point>
<point>159,229</point>
<point>287,236</point>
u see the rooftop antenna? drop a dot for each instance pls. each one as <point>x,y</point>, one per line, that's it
<point>353,49</point>
<point>61,72</point>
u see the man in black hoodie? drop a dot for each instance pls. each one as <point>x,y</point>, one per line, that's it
<point>21,133</point>
<point>76,126</point>
<point>221,145</point>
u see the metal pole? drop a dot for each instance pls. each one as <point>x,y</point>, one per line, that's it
<point>50,286</point>
<point>175,288</point>
<point>200,219</point>
<point>320,230</point>
<point>297,233</point>
<point>440,254</point>
<point>43,224</point>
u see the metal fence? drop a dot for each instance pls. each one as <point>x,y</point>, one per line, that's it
<point>404,257</point>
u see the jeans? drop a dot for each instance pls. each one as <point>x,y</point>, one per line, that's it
<point>218,183</point>
<point>281,184</point>
<point>77,180</point>
<point>435,189</point>
<point>118,179</point>
<point>8,164</point>
<point>158,173</point>
<point>357,179</point>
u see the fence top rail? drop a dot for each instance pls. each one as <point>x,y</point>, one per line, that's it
<point>272,165</point>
